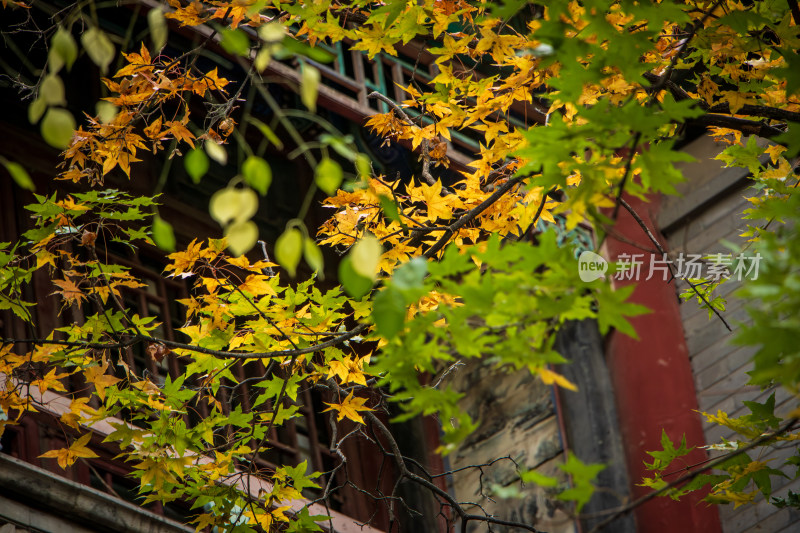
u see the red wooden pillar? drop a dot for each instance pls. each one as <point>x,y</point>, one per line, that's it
<point>653,382</point>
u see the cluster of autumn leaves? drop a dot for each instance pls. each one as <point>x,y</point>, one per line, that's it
<point>142,86</point>
<point>239,310</point>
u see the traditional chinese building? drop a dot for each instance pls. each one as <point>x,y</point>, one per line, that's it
<point>629,390</point>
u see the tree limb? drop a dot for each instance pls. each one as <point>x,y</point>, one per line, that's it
<point>750,127</point>
<point>625,509</point>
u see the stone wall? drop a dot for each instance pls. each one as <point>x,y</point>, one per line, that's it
<point>518,415</point>
<point>518,420</point>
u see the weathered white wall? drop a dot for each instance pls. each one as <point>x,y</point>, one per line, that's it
<point>709,212</point>
<point>518,420</point>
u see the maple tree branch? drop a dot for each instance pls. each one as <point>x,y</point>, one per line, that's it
<point>628,165</point>
<point>750,127</point>
<point>406,473</point>
<point>74,344</point>
<point>665,77</point>
<point>470,215</point>
<point>752,110</point>
<point>757,111</point>
<point>400,461</point>
<point>396,108</point>
<point>419,233</point>
<point>663,252</point>
<point>194,348</point>
<point>625,509</point>
<point>425,144</point>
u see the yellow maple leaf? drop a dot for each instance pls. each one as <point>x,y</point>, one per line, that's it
<point>136,62</point>
<point>50,382</point>
<point>707,89</point>
<point>153,131</point>
<point>491,129</point>
<point>67,456</point>
<point>349,408</point>
<point>418,135</point>
<point>438,206</point>
<point>373,39</point>
<point>183,262</point>
<point>77,407</point>
<point>549,377</point>
<point>69,204</point>
<point>97,376</point>
<point>237,11</point>
<point>214,82</point>
<point>780,172</point>
<point>191,15</point>
<point>774,151</point>
<point>349,370</point>
<point>179,131</point>
<point>260,517</point>
<point>43,257</point>
<point>257,285</point>
<point>735,100</point>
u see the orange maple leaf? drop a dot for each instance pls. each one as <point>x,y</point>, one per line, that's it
<point>179,130</point>
<point>214,82</point>
<point>69,291</point>
<point>192,15</point>
<point>136,63</point>
<point>237,11</point>
<point>153,131</point>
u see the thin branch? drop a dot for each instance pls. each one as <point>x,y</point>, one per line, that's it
<point>628,165</point>
<point>425,144</point>
<point>470,215</point>
<point>194,348</point>
<point>663,252</point>
<point>405,472</point>
<point>750,127</point>
<point>757,111</point>
<point>396,108</point>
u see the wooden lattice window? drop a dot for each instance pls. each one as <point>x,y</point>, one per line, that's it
<point>304,438</point>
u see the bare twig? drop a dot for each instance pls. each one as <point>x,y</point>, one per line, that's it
<point>663,252</point>
<point>628,165</point>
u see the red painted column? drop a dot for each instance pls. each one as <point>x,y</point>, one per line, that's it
<point>653,382</point>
